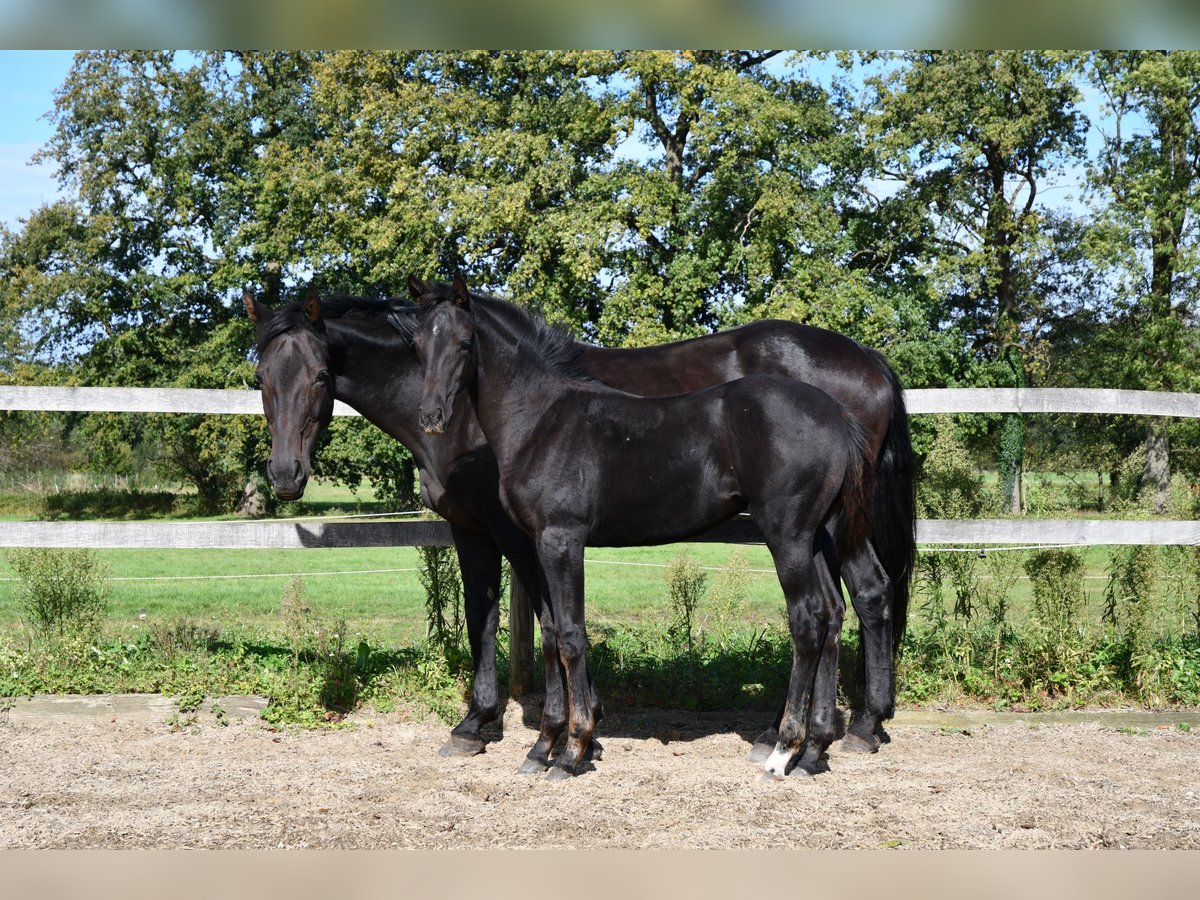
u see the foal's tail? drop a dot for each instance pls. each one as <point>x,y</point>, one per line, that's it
<point>894,530</point>
<point>858,488</point>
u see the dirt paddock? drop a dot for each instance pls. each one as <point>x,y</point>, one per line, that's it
<point>667,779</point>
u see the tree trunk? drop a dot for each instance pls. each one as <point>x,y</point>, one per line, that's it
<point>1157,471</point>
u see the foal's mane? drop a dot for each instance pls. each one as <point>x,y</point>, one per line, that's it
<point>399,313</point>
<point>555,346</point>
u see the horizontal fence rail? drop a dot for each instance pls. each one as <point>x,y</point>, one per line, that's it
<point>301,535</point>
<point>918,400</point>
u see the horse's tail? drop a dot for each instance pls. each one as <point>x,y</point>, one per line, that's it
<point>894,526</point>
<point>854,512</point>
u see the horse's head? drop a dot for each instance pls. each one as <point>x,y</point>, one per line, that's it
<point>297,386</point>
<point>445,345</point>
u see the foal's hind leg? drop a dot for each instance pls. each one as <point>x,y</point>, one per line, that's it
<point>827,564</point>
<point>822,720</point>
<point>874,682</point>
<point>808,623</point>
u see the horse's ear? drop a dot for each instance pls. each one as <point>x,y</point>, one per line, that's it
<point>257,312</point>
<point>312,307</point>
<point>417,288</point>
<point>462,296</point>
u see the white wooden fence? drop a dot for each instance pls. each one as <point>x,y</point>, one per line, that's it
<point>297,535</point>
<point>305,534</point>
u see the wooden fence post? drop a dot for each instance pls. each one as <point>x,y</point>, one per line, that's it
<point>520,641</point>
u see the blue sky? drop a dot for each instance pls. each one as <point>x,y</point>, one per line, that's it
<point>29,78</point>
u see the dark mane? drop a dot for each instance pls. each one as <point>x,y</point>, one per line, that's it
<point>398,312</point>
<point>554,345</point>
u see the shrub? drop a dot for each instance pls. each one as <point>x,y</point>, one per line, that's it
<point>686,586</point>
<point>62,593</point>
<point>1058,601</point>
<point>442,581</point>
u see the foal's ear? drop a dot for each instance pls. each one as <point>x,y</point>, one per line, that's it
<point>312,307</point>
<point>417,288</point>
<point>462,296</point>
<point>258,313</point>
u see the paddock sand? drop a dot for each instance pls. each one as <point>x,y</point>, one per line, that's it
<point>668,779</point>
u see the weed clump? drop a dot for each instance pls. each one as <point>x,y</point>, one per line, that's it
<point>62,593</point>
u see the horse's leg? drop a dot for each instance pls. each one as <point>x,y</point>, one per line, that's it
<point>874,684</point>
<point>554,710</point>
<point>560,552</point>
<point>822,722</point>
<point>808,623</point>
<point>830,565</point>
<point>479,562</point>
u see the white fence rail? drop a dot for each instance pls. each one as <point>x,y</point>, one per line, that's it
<point>919,400</point>
<point>307,535</point>
<point>284,535</point>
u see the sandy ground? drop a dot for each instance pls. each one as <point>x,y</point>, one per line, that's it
<point>667,779</point>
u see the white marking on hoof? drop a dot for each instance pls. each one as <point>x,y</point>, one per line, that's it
<point>777,762</point>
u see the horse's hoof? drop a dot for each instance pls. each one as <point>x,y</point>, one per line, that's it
<point>558,773</point>
<point>759,752</point>
<point>770,778</point>
<point>462,746</point>
<point>532,767</point>
<point>763,745</point>
<point>856,743</point>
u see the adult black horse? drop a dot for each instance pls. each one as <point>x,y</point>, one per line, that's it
<point>583,464</point>
<point>355,349</point>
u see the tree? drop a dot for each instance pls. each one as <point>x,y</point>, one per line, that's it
<point>1148,178</point>
<point>972,136</point>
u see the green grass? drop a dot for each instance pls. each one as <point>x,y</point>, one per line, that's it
<point>625,587</point>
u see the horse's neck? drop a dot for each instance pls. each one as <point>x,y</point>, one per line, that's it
<point>513,387</point>
<point>382,383</point>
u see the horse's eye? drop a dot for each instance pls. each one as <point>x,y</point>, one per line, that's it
<point>466,344</point>
<point>322,377</point>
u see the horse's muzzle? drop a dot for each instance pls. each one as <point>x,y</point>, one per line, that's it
<point>434,422</point>
<point>288,485</point>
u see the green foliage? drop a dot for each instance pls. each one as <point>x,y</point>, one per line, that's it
<point>62,594</point>
<point>950,486</point>
<point>107,503</point>
<point>727,596</point>
<point>687,584</point>
<point>440,577</point>
<point>1058,603</point>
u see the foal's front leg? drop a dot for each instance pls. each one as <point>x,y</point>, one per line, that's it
<point>561,554</point>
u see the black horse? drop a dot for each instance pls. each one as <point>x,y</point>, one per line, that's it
<point>582,464</point>
<point>355,350</point>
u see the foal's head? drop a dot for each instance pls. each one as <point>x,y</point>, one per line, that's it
<point>445,345</point>
<point>297,383</point>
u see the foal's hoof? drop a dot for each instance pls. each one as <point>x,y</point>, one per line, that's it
<point>462,746</point>
<point>856,743</point>
<point>763,745</point>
